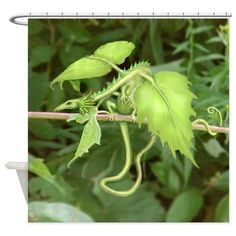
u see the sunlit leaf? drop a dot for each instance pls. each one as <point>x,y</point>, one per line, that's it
<point>37,166</point>
<point>91,135</point>
<point>173,125</point>
<point>115,52</point>
<point>84,68</point>
<point>71,54</point>
<point>79,118</point>
<point>75,85</point>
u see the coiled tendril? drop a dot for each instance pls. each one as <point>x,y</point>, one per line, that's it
<point>212,111</point>
<point>215,111</point>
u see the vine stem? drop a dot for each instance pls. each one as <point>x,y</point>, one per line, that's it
<point>111,117</point>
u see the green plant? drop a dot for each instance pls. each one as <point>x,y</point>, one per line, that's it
<point>162,100</point>
<point>168,185</point>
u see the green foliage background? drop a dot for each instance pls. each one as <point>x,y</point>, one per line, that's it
<point>172,190</point>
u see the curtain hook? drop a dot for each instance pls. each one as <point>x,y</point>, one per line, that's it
<point>29,17</point>
<point>77,16</point>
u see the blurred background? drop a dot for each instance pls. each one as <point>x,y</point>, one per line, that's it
<point>172,190</point>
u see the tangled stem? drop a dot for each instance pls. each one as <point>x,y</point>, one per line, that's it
<point>128,163</point>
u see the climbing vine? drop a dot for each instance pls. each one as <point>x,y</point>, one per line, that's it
<point>162,101</point>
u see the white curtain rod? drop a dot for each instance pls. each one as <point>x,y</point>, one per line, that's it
<point>14,19</point>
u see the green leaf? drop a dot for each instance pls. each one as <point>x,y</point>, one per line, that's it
<point>156,41</point>
<point>160,170</point>
<point>96,164</point>
<point>214,148</point>
<point>34,26</point>
<point>55,97</point>
<point>170,66</point>
<point>223,181</point>
<point>185,206</point>
<point>74,30</point>
<point>173,183</point>
<point>222,210</point>
<point>202,29</point>
<point>171,28</point>
<point>37,90</point>
<point>209,57</point>
<point>84,68</point>
<point>75,85</point>
<point>71,54</point>
<point>201,47</point>
<point>108,160</point>
<point>38,144</point>
<point>216,39</point>
<point>91,135</point>
<point>41,54</point>
<point>187,171</point>
<point>141,206</point>
<point>55,212</point>
<point>37,167</point>
<point>115,52</point>
<point>171,122</point>
<point>111,35</point>
<point>181,47</point>
<point>79,118</point>
<point>43,129</point>
<point>168,177</point>
<point>40,188</point>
